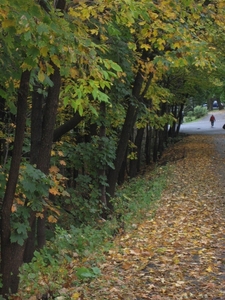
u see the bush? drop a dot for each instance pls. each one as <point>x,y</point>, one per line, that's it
<point>200,111</point>
<point>189,117</point>
<point>74,255</point>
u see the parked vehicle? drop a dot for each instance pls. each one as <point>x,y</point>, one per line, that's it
<point>215,104</point>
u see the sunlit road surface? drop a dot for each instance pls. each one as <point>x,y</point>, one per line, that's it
<point>203,125</point>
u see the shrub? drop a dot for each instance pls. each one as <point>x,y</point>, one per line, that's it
<point>200,111</point>
<point>73,255</point>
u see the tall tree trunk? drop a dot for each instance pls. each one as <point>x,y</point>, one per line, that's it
<point>121,150</point>
<point>125,133</point>
<point>160,143</point>
<point>44,156</point>
<point>155,145</point>
<point>172,129</point>
<point>102,134</point>
<point>135,163</point>
<point>162,136</point>
<point>66,127</point>
<point>148,145</point>
<point>122,172</point>
<point>137,94</point>
<point>12,253</point>
<point>180,118</point>
<point>36,131</point>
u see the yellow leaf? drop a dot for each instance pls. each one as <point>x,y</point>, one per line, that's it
<point>39,215</point>
<point>176,45</point>
<point>54,169</point>
<point>176,260</point>
<point>52,219</point>
<point>209,269</point>
<point>56,60</point>
<point>62,162</point>
<point>44,51</point>
<point>74,73</point>
<point>60,153</point>
<point>75,296</point>
<point>41,76</point>
<point>25,66</point>
<point>54,191</point>
<point>145,46</point>
<point>13,208</point>
<point>7,23</point>
<point>94,31</point>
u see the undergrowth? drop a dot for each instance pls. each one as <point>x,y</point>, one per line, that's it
<point>72,255</point>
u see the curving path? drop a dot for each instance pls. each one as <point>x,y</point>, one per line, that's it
<point>203,126</point>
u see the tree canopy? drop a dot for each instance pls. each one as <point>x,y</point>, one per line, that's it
<point>90,91</point>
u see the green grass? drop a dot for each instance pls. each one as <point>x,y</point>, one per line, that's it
<point>135,201</point>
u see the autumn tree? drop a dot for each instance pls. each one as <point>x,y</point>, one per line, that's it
<point>34,34</point>
<point>102,89</point>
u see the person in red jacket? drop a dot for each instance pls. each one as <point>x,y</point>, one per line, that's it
<point>212,120</point>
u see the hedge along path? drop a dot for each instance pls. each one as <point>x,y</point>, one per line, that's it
<point>180,253</point>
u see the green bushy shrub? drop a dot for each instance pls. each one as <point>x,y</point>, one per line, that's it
<point>200,111</point>
<point>84,247</point>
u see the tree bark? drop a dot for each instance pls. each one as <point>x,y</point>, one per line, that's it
<point>124,138</point>
<point>155,145</point>
<point>44,156</point>
<point>36,131</point>
<point>135,163</point>
<point>11,259</point>
<point>148,145</point>
<point>180,118</point>
<point>69,125</point>
<point>121,150</point>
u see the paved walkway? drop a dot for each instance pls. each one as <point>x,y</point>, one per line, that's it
<point>203,126</point>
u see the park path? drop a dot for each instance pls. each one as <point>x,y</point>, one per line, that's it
<point>180,253</point>
<point>203,126</point>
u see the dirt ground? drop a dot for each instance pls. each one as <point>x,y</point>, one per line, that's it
<point>180,253</point>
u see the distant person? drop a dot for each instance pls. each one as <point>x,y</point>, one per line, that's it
<point>212,120</point>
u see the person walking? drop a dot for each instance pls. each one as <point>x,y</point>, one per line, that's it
<point>212,120</point>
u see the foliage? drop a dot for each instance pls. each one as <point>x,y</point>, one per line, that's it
<point>198,112</point>
<point>137,195</point>
<point>185,233</point>
<point>87,159</point>
<point>45,274</point>
<point>76,246</point>
<point>151,55</point>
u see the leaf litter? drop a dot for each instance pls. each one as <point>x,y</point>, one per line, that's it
<point>180,253</point>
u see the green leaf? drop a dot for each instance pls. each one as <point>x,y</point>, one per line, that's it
<point>27,36</point>
<point>115,67</point>
<point>96,271</point>
<point>42,28</point>
<point>84,273</point>
<point>19,239</point>
<point>95,93</point>
<point>41,76</point>
<point>22,228</point>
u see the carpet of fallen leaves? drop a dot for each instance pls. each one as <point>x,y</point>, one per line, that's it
<point>180,253</point>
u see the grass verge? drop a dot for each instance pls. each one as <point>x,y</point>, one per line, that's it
<point>72,255</point>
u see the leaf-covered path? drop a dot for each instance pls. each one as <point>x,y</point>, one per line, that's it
<point>180,253</point>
